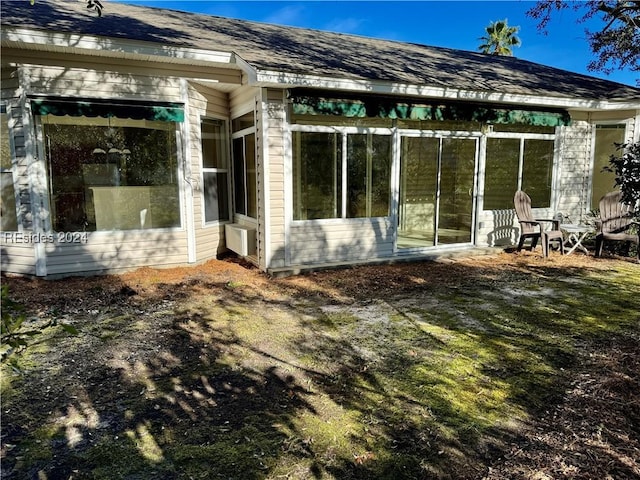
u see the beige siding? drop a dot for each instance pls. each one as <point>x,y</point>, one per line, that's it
<point>275,117</point>
<point>117,251</point>
<point>17,258</point>
<point>9,82</point>
<point>340,241</point>
<point>242,100</point>
<point>127,67</point>
<point>204,102</point>
<point>92,83</point>
<point>574,170</point>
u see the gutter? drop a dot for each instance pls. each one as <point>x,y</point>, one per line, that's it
<point>48,41</point>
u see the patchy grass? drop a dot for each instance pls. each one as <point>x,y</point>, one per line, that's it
<point>432,370</point>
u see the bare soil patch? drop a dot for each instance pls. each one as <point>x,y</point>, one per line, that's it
<point>147,336</point>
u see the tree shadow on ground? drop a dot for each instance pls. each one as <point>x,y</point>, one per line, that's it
<point>397,372</point>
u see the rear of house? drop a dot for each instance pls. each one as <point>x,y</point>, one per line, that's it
<point>154,137</point>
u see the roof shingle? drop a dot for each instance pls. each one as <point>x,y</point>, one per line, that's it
<point>295,50</point>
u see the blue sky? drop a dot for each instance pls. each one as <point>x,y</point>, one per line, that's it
<point>454,24</point>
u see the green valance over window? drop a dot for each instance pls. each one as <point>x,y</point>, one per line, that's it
<point>163,112</point>
<point>386,107</point>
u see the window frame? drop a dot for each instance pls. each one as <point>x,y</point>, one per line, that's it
<point>203,170</point>
<point>618,124</point>
<point>343,132</point>
<point>522,137</point>
<point>42,153</point>
<point>242,134</point>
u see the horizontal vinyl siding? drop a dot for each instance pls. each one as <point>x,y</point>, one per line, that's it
<point>17,258</point>
<point>497,228</point>
<point>276,120</point>
<point>342,241</point>
<point>80,82</point>
<point>128,67</point>
<point>9,81</point>
<point>574,171</point>
<point>117,251</point>
<point>204,102</point>
<point>242,100</point>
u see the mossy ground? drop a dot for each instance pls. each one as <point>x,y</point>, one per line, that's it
<point>430,370</point>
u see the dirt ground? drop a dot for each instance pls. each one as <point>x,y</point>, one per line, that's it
<point>598,417</point>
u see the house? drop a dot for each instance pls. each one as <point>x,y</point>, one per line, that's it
<point>155,137</point>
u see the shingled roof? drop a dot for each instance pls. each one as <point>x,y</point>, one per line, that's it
<point>303,51</point>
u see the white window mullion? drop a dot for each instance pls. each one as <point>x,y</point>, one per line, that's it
<point>520,164</point>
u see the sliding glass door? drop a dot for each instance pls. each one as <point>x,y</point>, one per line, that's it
<point>436,191</point>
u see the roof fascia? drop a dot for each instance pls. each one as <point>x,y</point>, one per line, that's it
<point>277,79</point>
<point>115,48</point>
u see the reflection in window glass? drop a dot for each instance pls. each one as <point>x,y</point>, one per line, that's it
<point>7,198</point>
<point>537,171</point>
<point>214,171</point>
<point>501,179</point>
<point>318,160</point>
<point>368,175</point>
<point>245,121</point>
<point>607,139</point>
<point>317,175</point>
<point>111,174</point>
<point>503,174</point>
<point>244,175</point>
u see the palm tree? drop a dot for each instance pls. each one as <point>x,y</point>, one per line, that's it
<point>500,39</point>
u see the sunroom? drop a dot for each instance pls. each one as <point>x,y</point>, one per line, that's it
<point>380,176</point>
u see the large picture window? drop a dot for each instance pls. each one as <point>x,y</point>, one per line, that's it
<point>7,199</point>
<point>215,171</point>
<point>111,173</point>
<point>518,164</point>
<point>320,189</point>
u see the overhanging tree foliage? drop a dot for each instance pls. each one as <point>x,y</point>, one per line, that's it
<point>617,44</point>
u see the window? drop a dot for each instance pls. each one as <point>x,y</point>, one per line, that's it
<point>8,198</point>
<point>244,175</point>
<point>111,173</point>
<point>215,171</point>
<point>317,175</point>
<point>606,141</point>
<point>319,160</point>
<point>243,122</point>
<point>368,175</point>
<point>518,164</point>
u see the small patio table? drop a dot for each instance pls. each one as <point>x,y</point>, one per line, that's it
<point>575,236</point>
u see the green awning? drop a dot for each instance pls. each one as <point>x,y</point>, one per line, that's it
<point>163,112</point>
<point>384,107</point>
